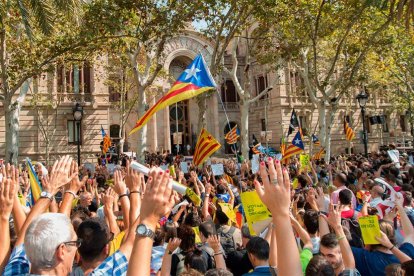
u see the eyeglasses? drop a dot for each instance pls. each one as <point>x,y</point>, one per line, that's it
<point>76,243</point>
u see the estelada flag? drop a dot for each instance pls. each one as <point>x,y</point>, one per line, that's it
<point>35,185</point>
<point>232,136</point>
<point>206,146</point>
<point>196,79</point>
<point>319,154</point>
<point>296,147</point>
<point>315,140</point>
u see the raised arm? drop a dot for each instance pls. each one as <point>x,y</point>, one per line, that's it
<point>173,244</point>
<point>8,188</point>
<point>157,202</point>
<point>303,235</point>
<point>109,198</point>
<point>275,194</point>
<point>334,221</point>
<point>214,243</point>
<point>121,189</point>
<point>74,187</point>
<point>407,227</point>
<point>206,202</point>
<point>383,239</point>
<point>59,176</point>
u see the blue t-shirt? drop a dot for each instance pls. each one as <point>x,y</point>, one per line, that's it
<point>372,262</point>
<point>408,249</point>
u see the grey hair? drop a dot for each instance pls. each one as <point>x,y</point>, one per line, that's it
<point>43,237</point>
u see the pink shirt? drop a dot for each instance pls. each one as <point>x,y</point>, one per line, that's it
<point>335,196</point>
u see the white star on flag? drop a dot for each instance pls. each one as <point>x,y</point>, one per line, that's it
<point>192,72</point>
<point>297,142</point>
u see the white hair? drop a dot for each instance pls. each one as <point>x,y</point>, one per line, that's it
<point>43,237</point>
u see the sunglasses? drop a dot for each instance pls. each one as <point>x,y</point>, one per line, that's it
<point>76,243</point>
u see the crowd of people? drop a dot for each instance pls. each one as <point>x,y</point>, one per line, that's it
<point>121,222</point>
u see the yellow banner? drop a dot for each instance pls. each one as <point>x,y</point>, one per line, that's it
<point>228,210</point>
<point>304,161</point>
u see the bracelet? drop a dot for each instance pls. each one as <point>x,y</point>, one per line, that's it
<point>218,253</point>
<point>72,193</point>
<point>121,196</point>
<point>390,249</point>
<point>340,238</point>
<point>206,195</point>
<point>170,252</point>
<point>134,192</point>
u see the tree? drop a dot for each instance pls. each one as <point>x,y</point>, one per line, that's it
<point>327,41</point>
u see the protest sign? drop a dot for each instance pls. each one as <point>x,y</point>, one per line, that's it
<point>184,167</point>
<point>197,234</point>
<point>369,229</point>
<point>255,163</point>
<point>395,157</point>
<point>110,168</point>
<point>295,183</point>
<point>218,169</point>
<point>193,196</point>
<point>228,210</point>
<point>304,161</point>
<point>254,209</point>
<point>176,207</point>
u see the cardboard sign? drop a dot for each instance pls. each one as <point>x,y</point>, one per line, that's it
<point>395,157</point>
<point>184,167</point>
<point>304,161</point>
<point>228,210</point>
<point>370,229</point>
<point>255,163</point>
<point>218,169</point>
<point>254,209</point>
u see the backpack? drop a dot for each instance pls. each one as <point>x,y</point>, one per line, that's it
<point>227,240</point>
<point>180,266</point>
<point>355,232</point>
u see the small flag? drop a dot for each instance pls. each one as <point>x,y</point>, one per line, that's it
<point>196,79</point>
<point>35,185</point>
<point>205,147</point>
<point>319,154</point>
<point>232,136</point>
<point>294,122</point>
<point>255,149</point>
<point>296,147</point>
<point>349,133</point>
<point>315,140</point>
<point>283,146</point>
<point>106,141</point>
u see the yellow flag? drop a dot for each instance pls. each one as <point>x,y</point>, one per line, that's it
<point>197,234</point>
<point>369,229</point>
<point>193,196</point>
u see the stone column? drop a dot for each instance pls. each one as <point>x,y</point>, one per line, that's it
<point>214,110</point>
<point>153,130</point>
<point>167,138</point>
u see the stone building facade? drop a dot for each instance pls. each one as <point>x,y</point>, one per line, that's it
<point>271,113</point>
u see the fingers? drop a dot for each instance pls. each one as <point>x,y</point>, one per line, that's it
<point>286,178</point>
<point>263,174</point>
<point>259,188</point>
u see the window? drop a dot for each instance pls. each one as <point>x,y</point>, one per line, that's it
<point>115,83</point>
<point>403,123</point>
<point>261,85</point>
<point>73,127</point>
<point>297,83</point>
<point>74,78</point>
<point>114,131</point>
<point>304,124</point>
<point>229,93</point>
<point>367,124</point>
<point>385,123</point>
<point>263,124</point>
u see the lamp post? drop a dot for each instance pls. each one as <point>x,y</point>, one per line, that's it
<point>77,116</point>
<point>362,98</point>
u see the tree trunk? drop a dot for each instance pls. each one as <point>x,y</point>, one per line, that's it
<point>12,112</point>
<point>244,128</point>
<point>142,133</point>
<point>322,123</point>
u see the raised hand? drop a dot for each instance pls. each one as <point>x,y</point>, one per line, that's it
<point>8,189</point>
<point>132,179</point>
<point>173,244</point>
<point>119,185</point>
<point>275,191</point>
<point>214,243</point>
<point>59,175</point>
<point>383,240</point>
<point>159,197</point>
<point>334,218</point>
<point>76,184</point>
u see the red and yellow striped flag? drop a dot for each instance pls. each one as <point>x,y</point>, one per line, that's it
<point>319,154</point>
<point>232,136</point>
<point>206,146</point>
<point>196,79</point>
<point>349,133</point>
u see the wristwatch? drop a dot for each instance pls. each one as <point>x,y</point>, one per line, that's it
<point>145,231</point>
<point>48,195</point>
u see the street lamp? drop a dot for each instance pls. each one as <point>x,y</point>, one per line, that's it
<point>77,116</point>
<point>362,98</point>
